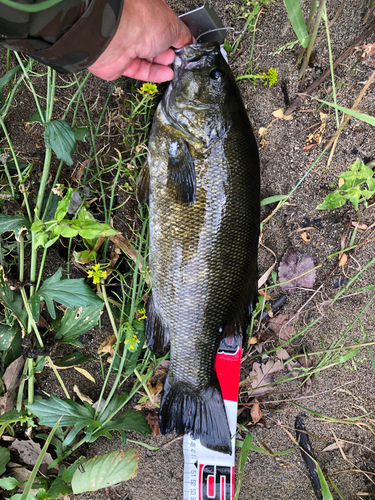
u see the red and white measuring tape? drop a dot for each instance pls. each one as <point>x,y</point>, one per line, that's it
<point>208,474</point>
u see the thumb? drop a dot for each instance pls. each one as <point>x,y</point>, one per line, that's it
<point>184,37</point>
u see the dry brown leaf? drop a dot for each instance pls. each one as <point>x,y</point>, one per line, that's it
<point>262,131</point>
<point>276,326</point>
<point>368,55</point>
<point>279,113</point>
<point>305,236</point>
<point>253,340</point>
<point>156,382</point>
<point>324,307</point>
<point>153,421</point>
<point>11,380</point>
<point>263,374</point>
<point>309,146</point>
<point>107,346</point>
<point>82,396</point>
<point>342,259</point>
<point>335,446</point>
<point>294,268</point>
<point>359,225</point>
<point>22,475</point>
<point>29,452</point>
<point>256,412</point>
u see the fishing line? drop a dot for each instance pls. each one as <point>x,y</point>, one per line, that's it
<point>211,31</point>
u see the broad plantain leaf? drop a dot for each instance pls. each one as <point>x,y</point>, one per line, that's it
<point>76,322</point>
<point>7,334</point>
<point>105,470</point>
<point>13,223</point>
<point>4,459</point>
<point>69,292</point>
<point>11,300</point>
<point>71,414</point>
<point>60,137</point>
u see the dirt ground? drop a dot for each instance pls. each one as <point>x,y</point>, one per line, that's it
<point>347,390</point>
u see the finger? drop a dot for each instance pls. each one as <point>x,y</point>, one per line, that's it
<point>141,69</point>
<point>166,58</point>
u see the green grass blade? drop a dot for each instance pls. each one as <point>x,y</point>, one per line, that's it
<point>298,22</point>
<point>323,483</point>
<point>351,112</point>
<point>273,199</point>
<point>243,457</point>
<point>336,489</point>
<point>31,479</point>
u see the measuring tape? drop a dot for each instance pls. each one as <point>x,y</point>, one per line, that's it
<point>208,474</point>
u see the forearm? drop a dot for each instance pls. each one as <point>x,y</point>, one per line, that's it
<point>68,37</point>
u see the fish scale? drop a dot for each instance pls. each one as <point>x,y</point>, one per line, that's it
<point>204,229</point>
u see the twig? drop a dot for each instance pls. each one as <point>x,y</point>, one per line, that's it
<point>355,105</point>
<point>170,442</point>
<point>301,97</point>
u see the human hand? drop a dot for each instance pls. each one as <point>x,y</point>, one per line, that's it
<point>141,45</point>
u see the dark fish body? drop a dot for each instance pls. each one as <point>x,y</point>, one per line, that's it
<point>204,229</point>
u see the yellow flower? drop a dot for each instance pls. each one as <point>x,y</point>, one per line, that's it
<point>133,341</point>
<point>148,89</point>
<point>97,274</point>
<point>142,313</point>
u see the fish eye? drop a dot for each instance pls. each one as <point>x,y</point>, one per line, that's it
<point>216,74</point>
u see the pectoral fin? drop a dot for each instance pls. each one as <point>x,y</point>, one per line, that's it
<point>143,184</point>
<point>181,172</point>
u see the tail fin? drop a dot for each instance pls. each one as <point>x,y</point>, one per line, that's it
<point>200,413</point>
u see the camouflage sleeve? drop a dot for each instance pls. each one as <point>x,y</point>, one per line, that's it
<point>69,36</point>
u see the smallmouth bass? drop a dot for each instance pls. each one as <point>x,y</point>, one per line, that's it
<point>203,186</point>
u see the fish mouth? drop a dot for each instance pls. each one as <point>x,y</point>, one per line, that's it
<point>195,56</point>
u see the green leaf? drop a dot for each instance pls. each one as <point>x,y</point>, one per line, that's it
<point>67,230</point>
<point>15,349</point>
<point>7,334</point>
<point>57,488</point>
<point>105,470</point>
<point>69,292</point>
<point>10,417</point>
<point>74,359</point>
<point>92,229</point>
<point>19,496</point>
<point>354,195</point>
<point>11,300</point>
<point>4,80</point>
<point>60,137</point>
<point>298,22</point>
<point>273,199</point>
<point>129,421</point>
<point>13,223</point>
<point>76,322</point>
<point>333,200</point>
<point>63,205</point>
<point>4,459</point>
<point>371,184</point>
<point>37,118</point>
<point>80,133</point>
<point>8,483</point>
<point>67,474</point>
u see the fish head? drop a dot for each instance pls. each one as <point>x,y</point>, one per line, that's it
<point>200,98</point>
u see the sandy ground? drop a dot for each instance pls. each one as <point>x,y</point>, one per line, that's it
<point>347,390</point>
